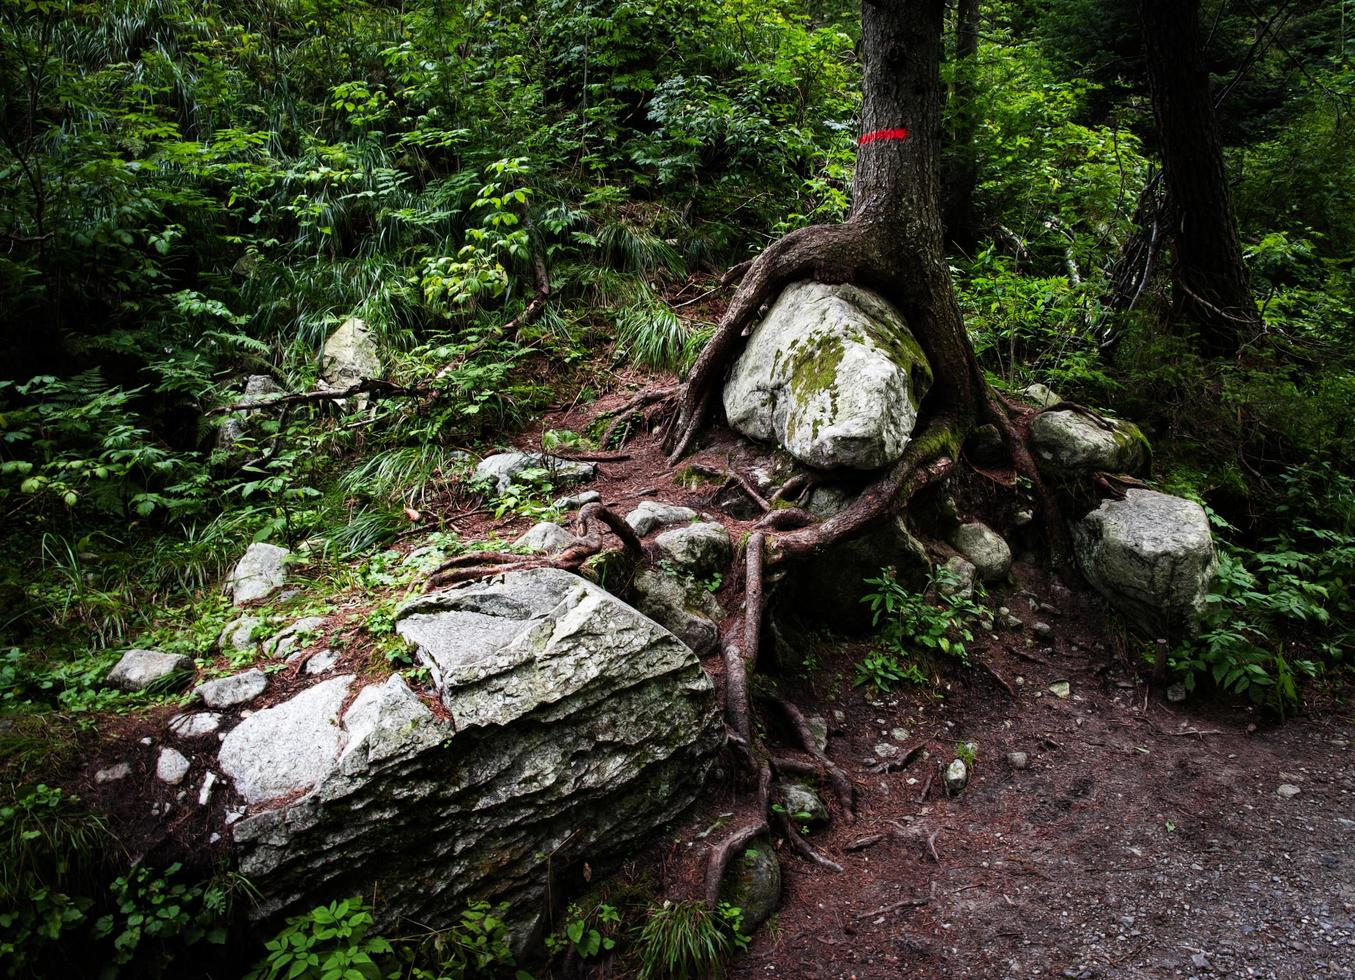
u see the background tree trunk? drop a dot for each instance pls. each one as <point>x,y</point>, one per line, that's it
<point>1210,281</point>
<point>962,170</point>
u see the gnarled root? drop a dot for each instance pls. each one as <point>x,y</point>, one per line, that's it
<point>593,520</point>
<point>842,785</point>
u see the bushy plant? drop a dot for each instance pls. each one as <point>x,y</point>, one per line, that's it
<point>912,623</point>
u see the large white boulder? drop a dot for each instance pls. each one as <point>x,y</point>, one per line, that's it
<point>833,375</point>
<point>571,727</point>
<point>1151,555</point>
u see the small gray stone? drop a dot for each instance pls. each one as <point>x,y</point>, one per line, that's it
<point>261,571</point>
<point>1152,556</point>
<point>321,662</point>
<point>985,445</point>
<point>1018,760</point>
<point>685,609</point>
<point>956,776</point>
<point>237,634</point>
<point>113,773</point>
<point>652,515</point>
<point>547,538</point>
<point>196,724</point>
<point>171,767</point>
<point>1069,442</point>
<point>349,355</point>
<point>984,548</point>
<point>1041,396</point>
<point>752,883</point>
<point>804,806</point>
<point>1288,791</point>
<point>227,692</point>
<point>258,388</point>
<point>1061,689</point>
<point>141,669</point>
<point>700,550</point>
<point>818,730</point>
<point>885,750</point>
<point>502,469</point>
<point>1176,693</point>
<point>959,578</point>
<point>1043,631</point>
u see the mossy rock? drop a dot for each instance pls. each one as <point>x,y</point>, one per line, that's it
<point>833,375</point>
<point>752,883</point>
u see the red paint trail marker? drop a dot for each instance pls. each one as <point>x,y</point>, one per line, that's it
<point>883,134</point>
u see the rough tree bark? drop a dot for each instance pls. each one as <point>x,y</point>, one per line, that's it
<point>1210,284</point>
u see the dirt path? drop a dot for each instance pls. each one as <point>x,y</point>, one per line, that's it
<point>1127,848</point>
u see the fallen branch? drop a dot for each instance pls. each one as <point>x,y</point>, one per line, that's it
<point>907,903</point>
<point>374,387</point>
<point>623,415</point>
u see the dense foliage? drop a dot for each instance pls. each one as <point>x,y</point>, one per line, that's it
<point>194,193</point>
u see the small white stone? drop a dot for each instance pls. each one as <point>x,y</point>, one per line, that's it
<point>1288,791</point>
<point>205,794</point>
<point>171,767</point>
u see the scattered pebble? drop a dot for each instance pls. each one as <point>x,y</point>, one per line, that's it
<point>1176,693</point>
<point>1043,630</point>
<point>1018,760</point>
<point>1288,791</point>
<point>172,767</point>
<point>1061,689</point>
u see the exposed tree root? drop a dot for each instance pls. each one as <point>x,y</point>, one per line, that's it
<point>786,519</point>
<point>720,854</point>
<point>842,785</point>
<point>794,488</point>
<point>826,253</point>
<point>731,478</point>
<point>752,621</point>
<point>592,523</point>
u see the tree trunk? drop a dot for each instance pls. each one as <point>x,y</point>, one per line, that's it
<point>896,190</point>
<point>1210,281</point>
<point>962,169</point>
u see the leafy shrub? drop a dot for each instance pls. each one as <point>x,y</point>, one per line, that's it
<point>334,942</point>
<point>909,623</point>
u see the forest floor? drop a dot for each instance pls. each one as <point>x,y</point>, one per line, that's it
<point>1143,839</point>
